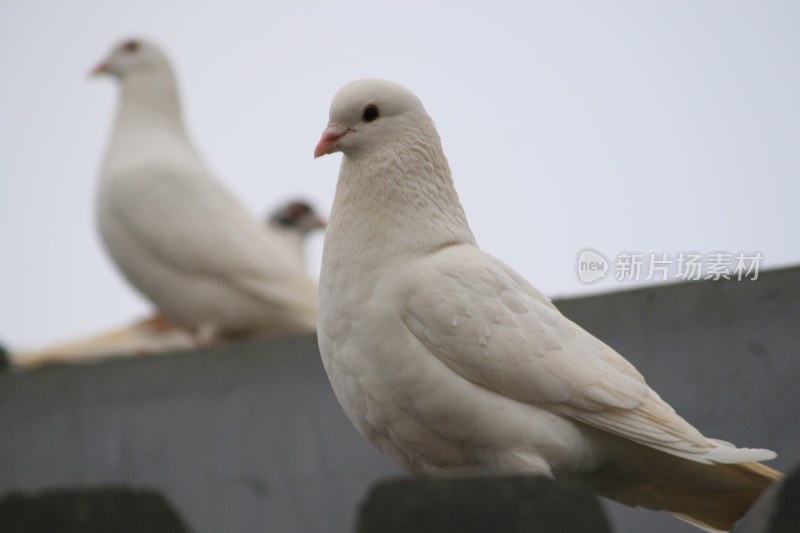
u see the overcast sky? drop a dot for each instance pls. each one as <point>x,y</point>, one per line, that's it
<point>623,126</point>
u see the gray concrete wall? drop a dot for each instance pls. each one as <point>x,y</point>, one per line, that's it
<point>243,439</point>
<point>725,355</point>
<point>250,438</point>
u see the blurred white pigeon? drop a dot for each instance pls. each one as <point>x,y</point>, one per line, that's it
<point>292,222</point>
<point>175,232</point>
<point>446,359</point>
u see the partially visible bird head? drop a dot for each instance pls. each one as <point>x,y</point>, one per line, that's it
<point>132,57</point>
<point>297,215</point>
<point>367,114</point>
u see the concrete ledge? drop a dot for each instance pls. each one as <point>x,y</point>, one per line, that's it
<point>95,510</point>
<point>244,438</point>
<point>509,504</point>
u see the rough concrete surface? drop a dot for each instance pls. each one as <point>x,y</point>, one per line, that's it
<point>500,504</point>
<point>244,439</point>
<point>94,510</point>
<point>249,438</point>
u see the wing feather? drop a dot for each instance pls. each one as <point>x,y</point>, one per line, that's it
<point>214,238</point>
<point>490,326</point>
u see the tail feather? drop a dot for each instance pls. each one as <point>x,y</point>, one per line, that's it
<point>762,470</point>
<point>712,497</point>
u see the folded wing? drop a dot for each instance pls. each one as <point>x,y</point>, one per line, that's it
<point>491,327</point>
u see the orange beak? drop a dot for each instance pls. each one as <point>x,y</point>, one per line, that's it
<point>330,137</point>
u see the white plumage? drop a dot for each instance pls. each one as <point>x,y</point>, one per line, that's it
<point>292,223</point>
<point>174,231</point>
<point>446,359</point>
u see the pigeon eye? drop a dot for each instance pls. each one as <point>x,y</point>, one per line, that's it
<point>370,113</point>
<point>297,210</point>
<point>131,46</point>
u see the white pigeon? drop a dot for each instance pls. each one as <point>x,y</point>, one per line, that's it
<point>174,231</point>
<point>292,222</point>
<point>446,359</point>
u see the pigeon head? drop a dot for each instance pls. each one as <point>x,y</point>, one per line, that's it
<point>297,215</point>
<point>132,58</point>
<point>148,89</point>
<point>394,174</point>
<point>369,115</point>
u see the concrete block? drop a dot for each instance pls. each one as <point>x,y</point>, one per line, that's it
<point>507,504</point>
<point>89,510</point>
<point>245,438</point>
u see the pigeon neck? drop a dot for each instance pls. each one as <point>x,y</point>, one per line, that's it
<point>150,101</point>
<point>397,202</point>
<point>293,240</point>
